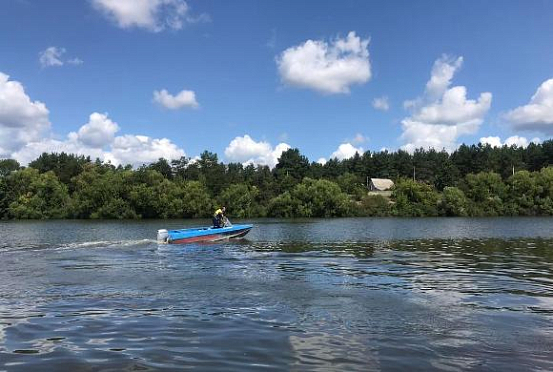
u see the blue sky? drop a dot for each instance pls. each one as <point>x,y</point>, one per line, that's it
<point>272,71</point>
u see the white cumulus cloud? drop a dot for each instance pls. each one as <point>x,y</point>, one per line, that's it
<point>439,137</point>
<point>328,68</point>
<point>381,103</point>
<point>346,151</point>
<point>96,139</point>
<point>454,108</point>
<point>32,150</point>
<point>138,150</point>
<point>442,73</point>
<point>537,115</point>
<point>53,57</point>
<point>98,132</point>
<point>443,114</point>
<point>21,119</point>
<point>25,133</point>
<point>518,141</point>
<point>126,149</point>
<point>493,141</point>
<point>247,151</point>
<point>152,15</point>
<point>185,98</point>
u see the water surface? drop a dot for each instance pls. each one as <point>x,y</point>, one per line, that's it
<point>303,295</point>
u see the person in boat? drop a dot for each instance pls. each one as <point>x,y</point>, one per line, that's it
<point>219,217</point>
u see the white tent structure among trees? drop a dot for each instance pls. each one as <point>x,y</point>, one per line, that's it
<point>380,184</point>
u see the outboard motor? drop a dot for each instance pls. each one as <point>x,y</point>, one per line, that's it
<point>162,236</point>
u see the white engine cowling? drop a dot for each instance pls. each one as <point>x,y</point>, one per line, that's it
<point>162,236</point>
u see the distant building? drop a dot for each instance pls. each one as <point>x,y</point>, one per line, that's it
<point>380,184</point>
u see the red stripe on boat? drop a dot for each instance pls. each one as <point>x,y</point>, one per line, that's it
<point>193,239</point>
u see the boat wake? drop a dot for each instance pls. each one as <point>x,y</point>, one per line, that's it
<point>107,244</point>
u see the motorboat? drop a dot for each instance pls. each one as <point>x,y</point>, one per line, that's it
<point>202,234</point>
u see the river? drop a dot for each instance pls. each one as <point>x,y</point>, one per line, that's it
<point>294,295</point>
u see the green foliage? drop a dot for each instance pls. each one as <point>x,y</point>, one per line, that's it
<point>197,201</point>
<point>374,206</point>
<point>35,196</point>
<point>179,167</point>
<point>65,166</point>
<point>241,200</point>
<point>453,203</point>
<point>351,184</point>
<point>114,208</point>
<point>523,193</point>
<point>414,199</point>
<point>311,198</point>
<point>155,196</point>
<point>7,166</point>
<point>102,193</point>
<point>292,164</point>
<point>476,180</point>
<point>487,192</point>
<point>212,172</point>
<point>163,167</point>
<point>544,186</point>
<point>324,198</point>
<point>283,206</point>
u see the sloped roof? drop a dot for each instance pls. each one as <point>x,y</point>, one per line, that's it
<point>382,184</point>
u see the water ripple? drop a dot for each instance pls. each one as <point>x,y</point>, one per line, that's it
<point>124,303</point>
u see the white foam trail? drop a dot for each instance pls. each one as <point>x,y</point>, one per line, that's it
<point>107,244</point>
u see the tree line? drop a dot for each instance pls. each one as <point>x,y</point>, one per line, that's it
<point>476,180</point>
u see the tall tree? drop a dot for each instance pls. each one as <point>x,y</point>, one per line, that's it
<point>7,166</point>
<point>65,166</point>
<point>292,163</point>
<point>163,167</point>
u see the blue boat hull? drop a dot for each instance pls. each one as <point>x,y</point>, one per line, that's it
<point>203,234</point>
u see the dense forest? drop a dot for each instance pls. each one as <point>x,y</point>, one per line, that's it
<point>476,180</point>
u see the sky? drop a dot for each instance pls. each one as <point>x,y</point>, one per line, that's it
<point>130,81</point>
